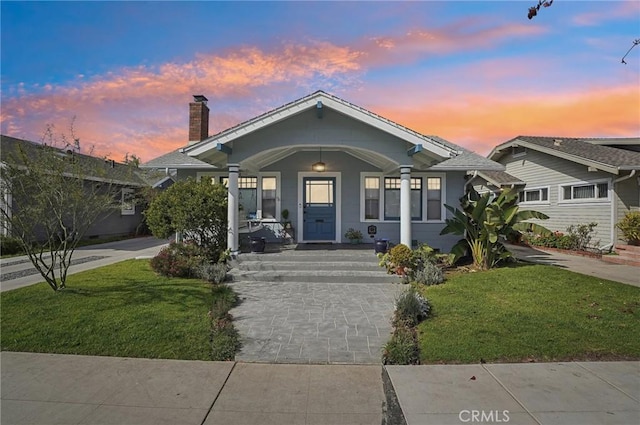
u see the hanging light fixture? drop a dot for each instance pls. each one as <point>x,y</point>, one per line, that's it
<point>319,166</point>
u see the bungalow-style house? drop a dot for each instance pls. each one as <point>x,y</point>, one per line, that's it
<point>573,181</point>
<point>331,165</point>
<point>124,221</point>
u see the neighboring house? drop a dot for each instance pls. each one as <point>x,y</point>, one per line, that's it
<point>573,181</point>
<point>121,222</point>
<point>333,165</point>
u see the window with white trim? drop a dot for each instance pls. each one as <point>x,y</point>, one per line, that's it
<point>255,193</point>
<point>540,194</point>
<point>380,197</point>
<point>596,191</point>
<point>127,205</point>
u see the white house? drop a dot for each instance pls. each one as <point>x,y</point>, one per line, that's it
<point>332,165</point>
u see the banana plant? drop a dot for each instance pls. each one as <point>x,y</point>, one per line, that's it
<point>485,222</point>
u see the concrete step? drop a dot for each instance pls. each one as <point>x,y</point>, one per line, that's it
<point>256,265</point>
<point>319,276</point>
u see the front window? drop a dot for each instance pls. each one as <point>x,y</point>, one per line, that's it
<point>371,198</point>
<point>248,196</point>
<point>434,198</point>
<point>269,197</point>
<point>392,198</point>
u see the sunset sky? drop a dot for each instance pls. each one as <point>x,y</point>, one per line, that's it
<point>476,73</point>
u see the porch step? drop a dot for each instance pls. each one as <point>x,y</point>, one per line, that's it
<point>627,254</point>
<point>331,265</point>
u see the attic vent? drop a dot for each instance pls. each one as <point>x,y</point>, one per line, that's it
<point>557,142</point>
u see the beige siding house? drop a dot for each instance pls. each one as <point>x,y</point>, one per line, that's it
<point>573,181</point>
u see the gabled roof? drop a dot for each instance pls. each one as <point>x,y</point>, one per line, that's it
<point>581,151</point>
<point>438,146</point>
<point>431,152</point>
<point>176,159</point>
<point>500,178</point>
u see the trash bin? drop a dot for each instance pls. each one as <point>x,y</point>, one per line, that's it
<point>381,246</point>
<point>257,243</point>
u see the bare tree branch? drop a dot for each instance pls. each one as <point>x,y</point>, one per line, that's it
<point>635,43</point>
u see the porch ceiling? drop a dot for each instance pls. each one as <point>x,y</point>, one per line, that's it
<point>268,157</point>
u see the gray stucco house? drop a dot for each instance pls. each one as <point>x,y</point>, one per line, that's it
<point>332,165</point>
<point>573,181</point>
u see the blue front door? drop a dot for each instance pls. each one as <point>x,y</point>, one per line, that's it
<point>319,209</point>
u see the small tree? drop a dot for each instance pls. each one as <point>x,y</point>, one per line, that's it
<point>57,194</point>
<point>197,210</point>
<point>484,222</point>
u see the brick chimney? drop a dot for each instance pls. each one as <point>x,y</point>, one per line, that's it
<point>198,119</point>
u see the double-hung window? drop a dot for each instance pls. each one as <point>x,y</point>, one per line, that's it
<point>596,191</point>
<point>380,196</point>
<point>255,193</point>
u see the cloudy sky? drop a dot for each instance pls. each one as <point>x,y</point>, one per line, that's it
<point>476,73</point>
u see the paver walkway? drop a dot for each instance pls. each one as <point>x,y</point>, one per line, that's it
<point>288,322</point>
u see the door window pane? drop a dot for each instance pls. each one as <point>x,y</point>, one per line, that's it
<point>319,192</point>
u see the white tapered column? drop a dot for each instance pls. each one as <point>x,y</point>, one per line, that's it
<point>405,206</point>
<point>232,231</point>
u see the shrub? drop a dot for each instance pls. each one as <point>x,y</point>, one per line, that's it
<point>212,273</point>
<point>353,234</point>
<point>402,348</point>
<point>630,227</point>
<point>178,260</point>
<point>429,274</point>
<point>399,260</point>
<point>411,308</point>
<point>581,235</point>
<point>9,245</point>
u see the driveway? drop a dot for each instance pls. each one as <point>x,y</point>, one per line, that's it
<point>17,272</point>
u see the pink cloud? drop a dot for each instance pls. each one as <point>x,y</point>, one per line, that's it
<point>619,10</point>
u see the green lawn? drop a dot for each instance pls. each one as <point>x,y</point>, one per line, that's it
<point>530,313</point>
<point>120,310</point>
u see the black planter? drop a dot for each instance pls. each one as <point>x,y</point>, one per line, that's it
<point>381,246</point>
<point>257,244</point>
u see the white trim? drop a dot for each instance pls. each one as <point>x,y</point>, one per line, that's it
<point>562,201</point>
<point>300,223</point>
<point>424,176</point>
<point>534,189</point>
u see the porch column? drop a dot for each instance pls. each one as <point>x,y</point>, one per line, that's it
<point>232,200</point>
<point>405,205</point>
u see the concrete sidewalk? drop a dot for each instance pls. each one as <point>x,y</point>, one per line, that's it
<point>584,393</point>
<point>62,389</point>
<point>17,272</point>
<point>578,264</point>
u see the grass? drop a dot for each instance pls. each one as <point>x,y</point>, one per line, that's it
<point>120,310</point>
<point>530,313</point>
